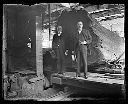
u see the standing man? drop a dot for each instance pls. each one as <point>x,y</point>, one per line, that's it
<point>59,48</point>
<point>81,41</point>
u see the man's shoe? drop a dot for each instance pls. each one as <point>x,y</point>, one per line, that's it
<point>85,77</point>
<point>78,75</point>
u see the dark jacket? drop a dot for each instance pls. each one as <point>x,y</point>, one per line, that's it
<point>83,36</point>
<point>58,43</point>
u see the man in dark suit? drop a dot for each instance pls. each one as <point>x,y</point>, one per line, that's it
<point>81,41</point>
<point>59,48</point>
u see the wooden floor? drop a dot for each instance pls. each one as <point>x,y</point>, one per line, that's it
<point>96,77</point>
<point>95,85</point>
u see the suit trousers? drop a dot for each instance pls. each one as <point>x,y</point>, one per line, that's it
<point>82,56</point>
<point>60,61</point>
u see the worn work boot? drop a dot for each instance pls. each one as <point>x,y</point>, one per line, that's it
<point>85,76</point>
<point>78,75</point>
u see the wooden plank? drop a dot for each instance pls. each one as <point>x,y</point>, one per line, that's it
<point>94,88</point>
<point>4,48</point>
<point>92,77</point>
<point>94,85</point>
<point>39,55</point>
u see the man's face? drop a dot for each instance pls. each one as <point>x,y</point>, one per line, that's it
<point>59,29</point>
<point>79,25</point>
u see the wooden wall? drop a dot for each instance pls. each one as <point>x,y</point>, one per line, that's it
<point>21,24</point>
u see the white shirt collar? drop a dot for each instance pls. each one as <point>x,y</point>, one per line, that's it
<point>79,31</point>
<point>59,33</point>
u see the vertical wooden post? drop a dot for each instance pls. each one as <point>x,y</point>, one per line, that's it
<point>49,12</point>
<point>39,54</point>
<point>4,47</point>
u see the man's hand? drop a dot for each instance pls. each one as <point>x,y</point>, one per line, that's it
<point>73,57</point>
<point>66,52</point>
<point>73,52</point>
<point>84,42</point>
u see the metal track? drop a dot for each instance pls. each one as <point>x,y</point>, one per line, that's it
<point>52,95</point>
<point>59,96</point>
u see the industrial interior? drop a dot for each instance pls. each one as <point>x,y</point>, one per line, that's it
<point>29,63</point>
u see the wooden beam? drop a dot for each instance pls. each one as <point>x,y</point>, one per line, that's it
<point>49,12</point>
<point>39,55</point>
<point>110,17</point>
<point>96,84</point>
<point>4,47</point>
